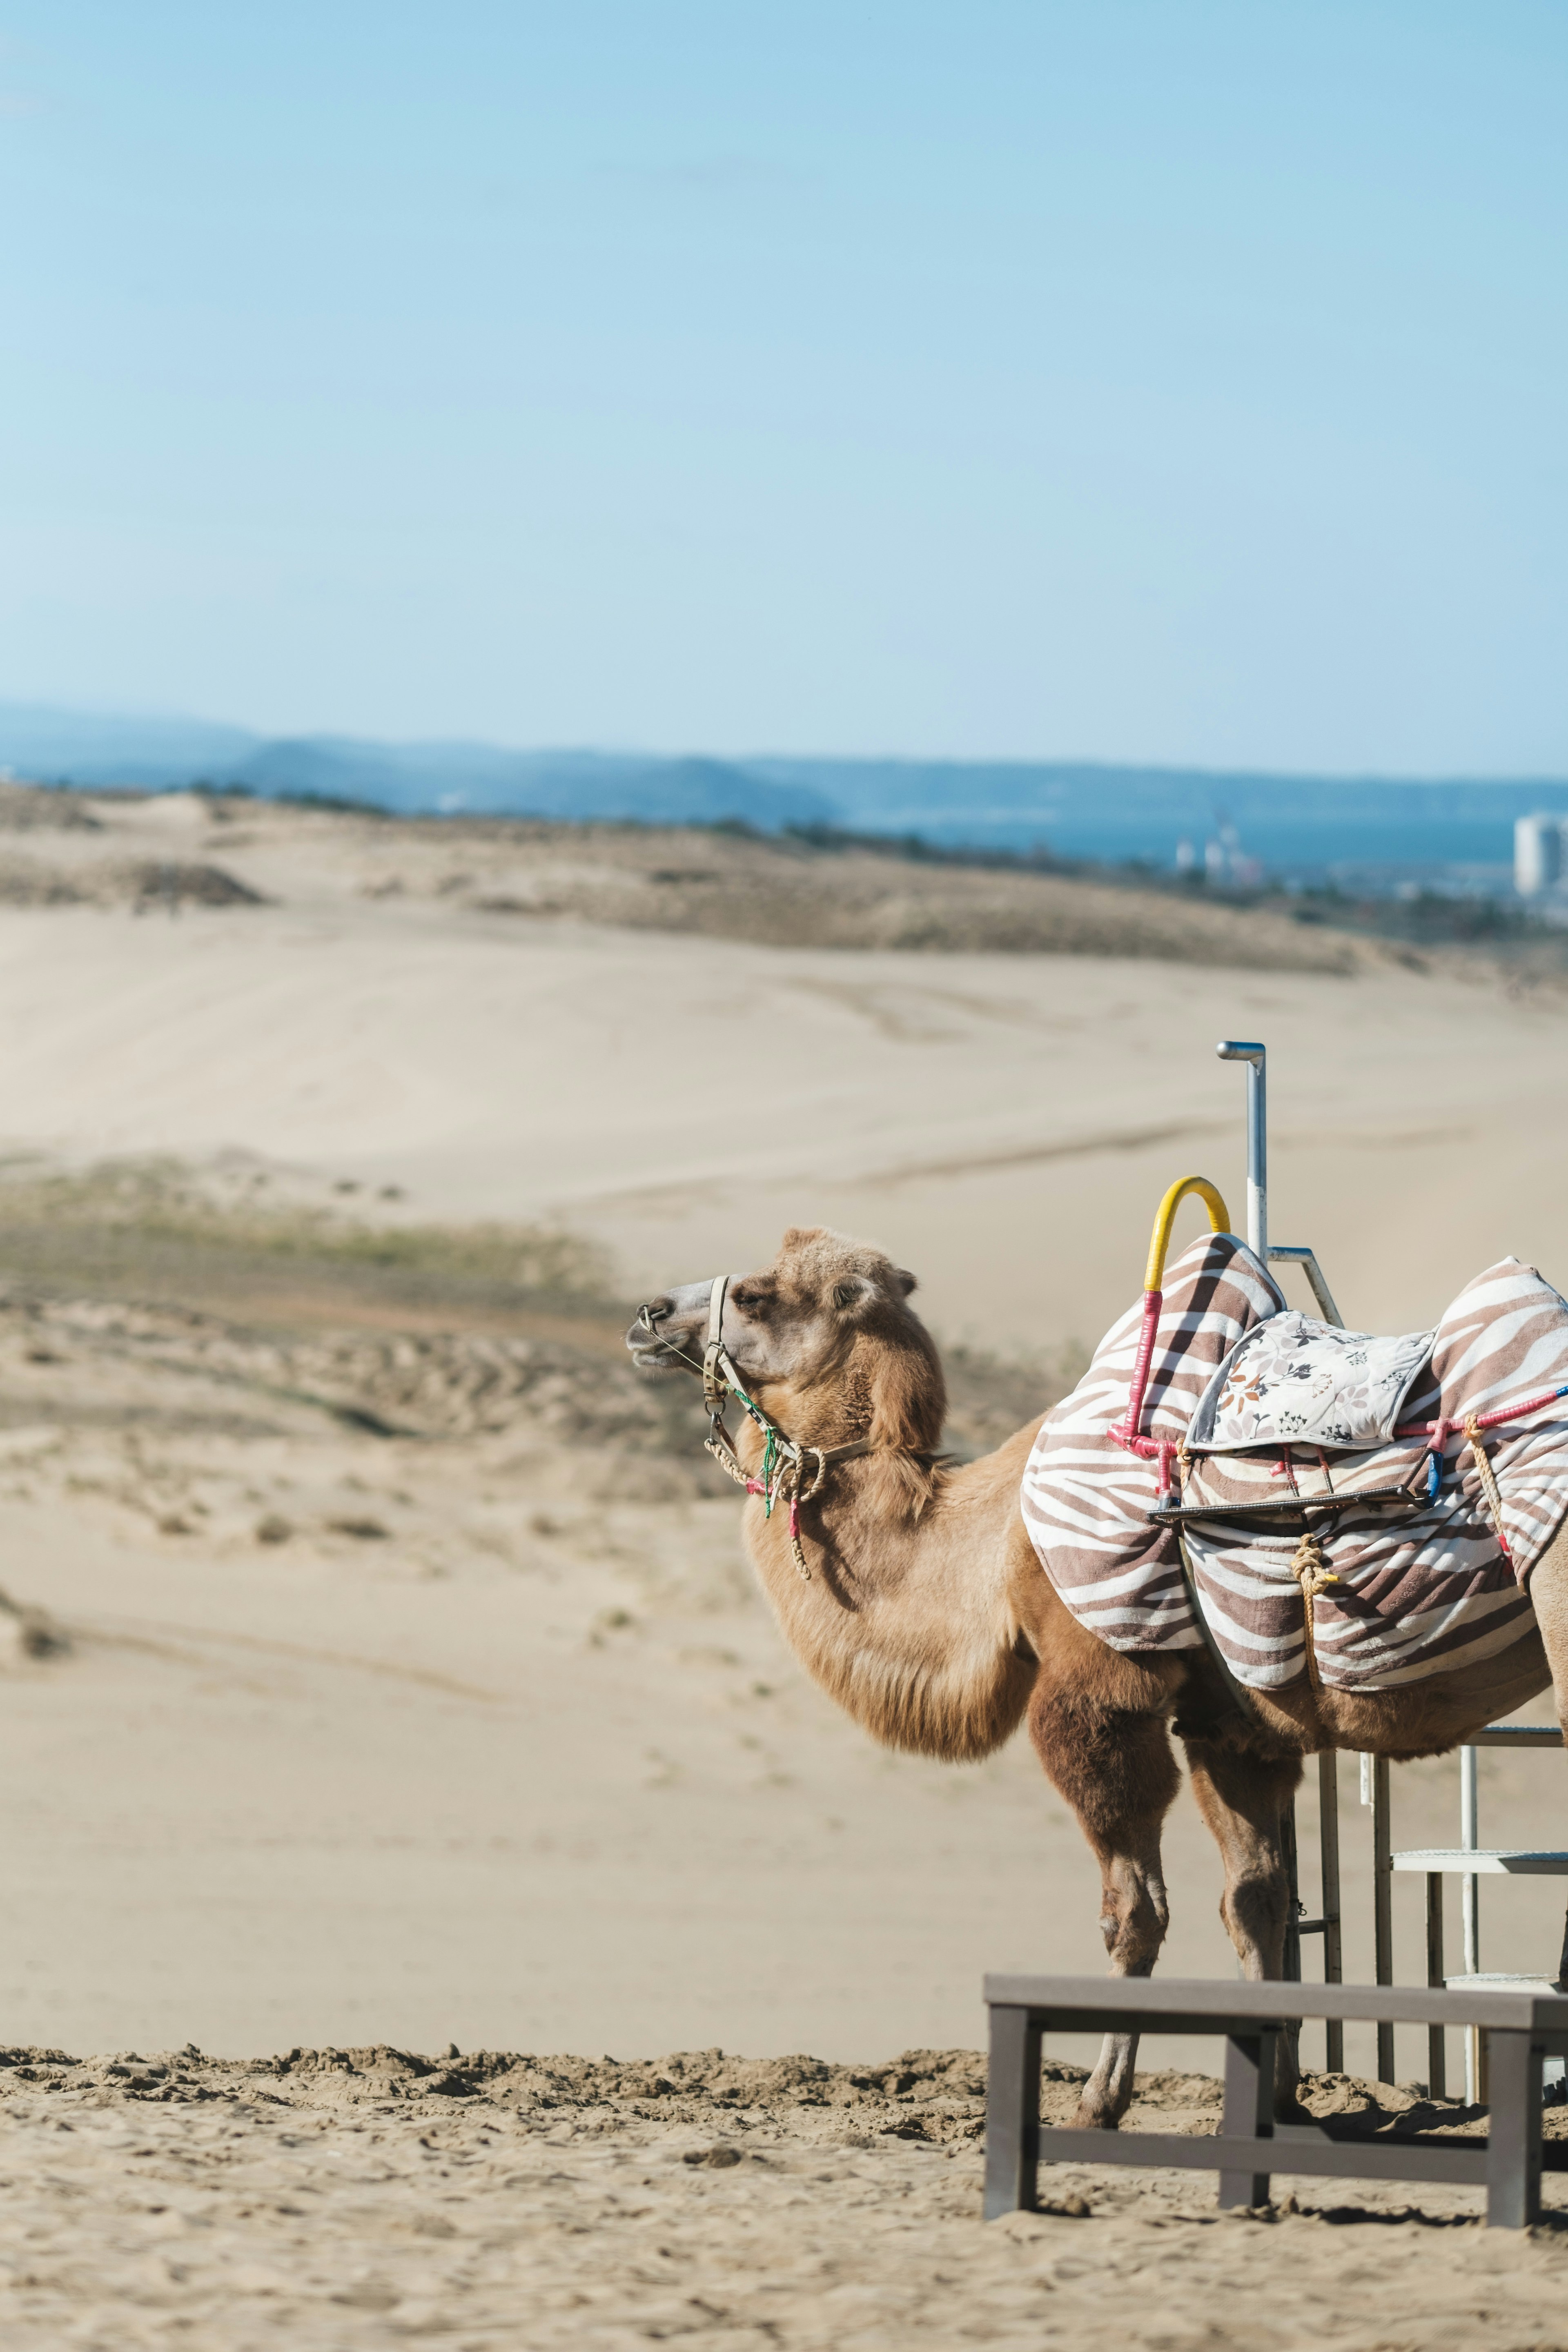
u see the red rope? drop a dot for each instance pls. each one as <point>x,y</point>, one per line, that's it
<point>1439,1431</point>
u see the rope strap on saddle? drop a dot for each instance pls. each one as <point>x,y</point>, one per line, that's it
<point>1488,1477</point>
<point>1314,1575</point>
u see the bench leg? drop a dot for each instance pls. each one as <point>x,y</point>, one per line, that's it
<point>1012,2112</point>
<point>1513,2132</point>
<point>1249,2110</point>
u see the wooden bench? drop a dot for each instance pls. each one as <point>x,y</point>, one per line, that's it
<point>1523,2028</point>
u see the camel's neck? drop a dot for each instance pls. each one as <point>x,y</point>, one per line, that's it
<point>820,1413</point>
<point>907,1618</point>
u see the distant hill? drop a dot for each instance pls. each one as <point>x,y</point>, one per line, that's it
<point>100,753</point>
<point>39,743</point>
<point>445,777</point>
<point>1301,826</point>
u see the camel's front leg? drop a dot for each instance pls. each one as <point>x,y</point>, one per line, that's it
<point>1117,1772</point>
<point>1242,1796</point>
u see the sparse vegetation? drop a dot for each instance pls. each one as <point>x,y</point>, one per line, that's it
<point>149,1229</point>
<point>432,1329</point>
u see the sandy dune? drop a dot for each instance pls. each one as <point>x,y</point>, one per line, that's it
<point>382,1669</point>
<point>1002,1122</point>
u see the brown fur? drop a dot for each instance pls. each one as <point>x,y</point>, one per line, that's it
<point>928,1616</point>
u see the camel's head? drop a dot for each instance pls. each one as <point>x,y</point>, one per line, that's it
<point>828,1312</point>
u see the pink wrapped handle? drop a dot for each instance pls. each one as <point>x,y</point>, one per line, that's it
<point>1127,1431</point>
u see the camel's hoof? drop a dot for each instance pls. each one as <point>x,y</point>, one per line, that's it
<point>1089,2118</point>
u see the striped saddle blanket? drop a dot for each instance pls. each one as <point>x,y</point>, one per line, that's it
<point>1298,1410</point>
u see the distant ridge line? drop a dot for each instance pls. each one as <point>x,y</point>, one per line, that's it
<point>1098,809</point>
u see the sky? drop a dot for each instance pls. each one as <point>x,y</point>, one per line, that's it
<point>1180,382</point>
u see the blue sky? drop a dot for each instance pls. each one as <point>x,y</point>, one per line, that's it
<point>1180,382</point>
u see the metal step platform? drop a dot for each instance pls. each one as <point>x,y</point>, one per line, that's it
<point>1493,1862</point>
<point>1470,1861</point>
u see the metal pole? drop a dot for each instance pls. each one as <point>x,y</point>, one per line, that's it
<point>1329,1849</point>
<point>1255,1054</point>
<point>1382,1904</point>
<point>1291,1966</point>
<point>1470,1888</point>
<point>1437,2057</point>
<point>1237,1049</point>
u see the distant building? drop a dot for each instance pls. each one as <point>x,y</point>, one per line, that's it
<point>1537,854</point>
<point>1224,860</point>
<point>1186,857</point>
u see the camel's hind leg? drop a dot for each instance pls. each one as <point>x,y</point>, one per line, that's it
<point>1242,1796</point>
<point>1116,1770</point>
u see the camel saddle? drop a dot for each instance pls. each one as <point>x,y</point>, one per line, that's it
<point>1326,1529</point>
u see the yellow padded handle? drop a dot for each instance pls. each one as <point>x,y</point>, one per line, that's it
<point>1213,1201</point>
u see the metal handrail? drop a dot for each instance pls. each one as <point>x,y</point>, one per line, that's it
<point>1385,1861</point>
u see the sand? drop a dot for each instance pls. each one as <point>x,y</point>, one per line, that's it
<point>382,1669</point>
<point>1002,1122</point>
<point>368,2198</point>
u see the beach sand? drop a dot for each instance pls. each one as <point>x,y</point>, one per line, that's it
<point>382,1669</point>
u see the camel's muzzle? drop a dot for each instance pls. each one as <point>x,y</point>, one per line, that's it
<point>665,1336</point>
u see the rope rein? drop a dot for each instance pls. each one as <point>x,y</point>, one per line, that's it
<point>783,1465</point>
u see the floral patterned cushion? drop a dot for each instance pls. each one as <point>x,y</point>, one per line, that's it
<point>1294,1381</point>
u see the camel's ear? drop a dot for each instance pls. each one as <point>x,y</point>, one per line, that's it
<point>852,1292</point>
<point>859,1290</point>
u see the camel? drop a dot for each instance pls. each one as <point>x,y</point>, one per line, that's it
<point>925,1612</point>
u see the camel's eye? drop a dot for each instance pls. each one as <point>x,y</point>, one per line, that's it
<point>845,1294</point>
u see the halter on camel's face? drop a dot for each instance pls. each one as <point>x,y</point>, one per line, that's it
<point>794,1321</point>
